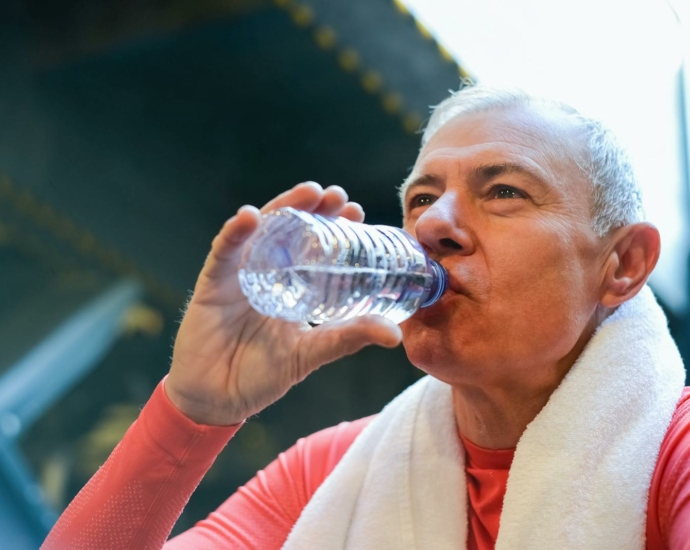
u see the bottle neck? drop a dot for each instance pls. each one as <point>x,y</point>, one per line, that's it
<point>439,283</point>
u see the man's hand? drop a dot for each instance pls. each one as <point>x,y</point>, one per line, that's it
<point>229,361</point>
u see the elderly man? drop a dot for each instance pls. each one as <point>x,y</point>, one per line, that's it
<point>554,413</point>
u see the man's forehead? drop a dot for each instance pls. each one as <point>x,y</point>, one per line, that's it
<point>541,137</point>
<point>541,127</point>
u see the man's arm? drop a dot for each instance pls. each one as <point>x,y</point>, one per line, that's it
<point>135,498</point>
<point>229,362</point>
<point>260,515</point>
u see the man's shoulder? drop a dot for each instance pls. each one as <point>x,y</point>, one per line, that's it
<point>677,436</point>
<point>682,412</point>
<point>333,442</point>
<point>674,454</point>
<point>315,456</point>
<point>686,394</point>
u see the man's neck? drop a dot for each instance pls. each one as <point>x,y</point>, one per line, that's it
<point>495,419</point>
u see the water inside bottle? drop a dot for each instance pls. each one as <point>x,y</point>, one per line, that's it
<point>321,293</point>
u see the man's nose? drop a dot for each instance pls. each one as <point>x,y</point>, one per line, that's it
<point>442,228</point>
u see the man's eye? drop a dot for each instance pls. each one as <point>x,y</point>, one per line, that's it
<point>421,200</point>
<point>507,192</point>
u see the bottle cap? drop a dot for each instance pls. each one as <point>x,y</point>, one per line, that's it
<point>439,283</point>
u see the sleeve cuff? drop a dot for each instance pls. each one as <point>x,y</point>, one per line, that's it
<point>174,433</point>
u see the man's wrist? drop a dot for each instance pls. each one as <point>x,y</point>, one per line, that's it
<point>201,412</point>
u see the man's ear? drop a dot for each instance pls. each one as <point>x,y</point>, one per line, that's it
<point>634,252</point>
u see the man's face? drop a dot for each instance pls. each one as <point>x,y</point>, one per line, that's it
<point>499,200</point>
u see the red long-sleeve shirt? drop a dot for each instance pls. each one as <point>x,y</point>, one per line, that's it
<point>134,500</point>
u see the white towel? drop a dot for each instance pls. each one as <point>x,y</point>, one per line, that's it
<point>581,473</point>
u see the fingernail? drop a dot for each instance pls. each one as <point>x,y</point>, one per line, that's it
<point>339,189</point>
<point>309,184</point>
<point>246,207</point>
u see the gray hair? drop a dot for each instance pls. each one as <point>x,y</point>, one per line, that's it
<point>617,200</point>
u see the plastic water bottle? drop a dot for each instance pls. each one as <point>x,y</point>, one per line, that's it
<point>305,267</point>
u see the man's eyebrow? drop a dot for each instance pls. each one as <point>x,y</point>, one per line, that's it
<point>426,179</point>
<point>487,172</point>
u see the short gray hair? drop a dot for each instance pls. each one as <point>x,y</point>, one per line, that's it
<point>617,200</point>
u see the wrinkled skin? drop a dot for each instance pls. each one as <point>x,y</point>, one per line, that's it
<point>498,198</point>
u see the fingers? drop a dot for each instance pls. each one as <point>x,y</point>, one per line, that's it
<point>309,196</point>
<point>235,231</point>
<point>305,196</point>
<point>336,339</point>
<point>226,248</point>
<point>352,211</point>
<point>332,202</point>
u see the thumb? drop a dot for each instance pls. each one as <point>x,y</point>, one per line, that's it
<point>335,339</point>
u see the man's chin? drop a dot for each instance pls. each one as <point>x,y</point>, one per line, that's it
<point>425,343</point>
<point>435,315</point>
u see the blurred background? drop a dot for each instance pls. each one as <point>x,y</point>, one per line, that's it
<point>129,132</point>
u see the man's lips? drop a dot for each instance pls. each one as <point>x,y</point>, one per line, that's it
<point>456,286</point>
<point>456,283</point>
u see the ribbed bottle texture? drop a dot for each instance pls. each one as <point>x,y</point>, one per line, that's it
<point>305,267</point>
